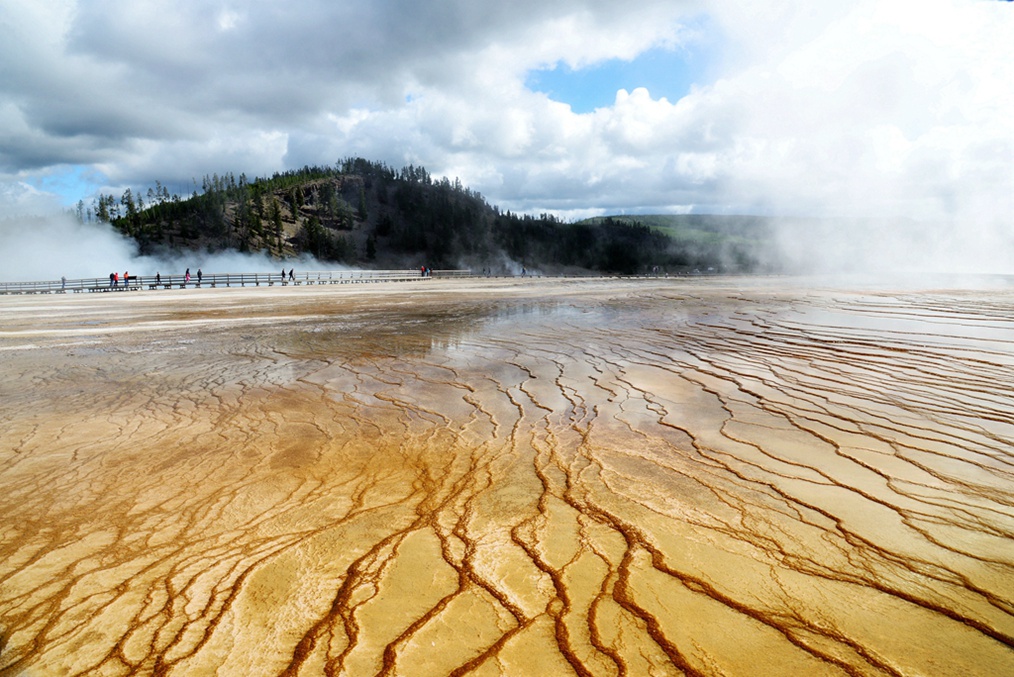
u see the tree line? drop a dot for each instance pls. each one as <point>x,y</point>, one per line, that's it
<point>366,213</point>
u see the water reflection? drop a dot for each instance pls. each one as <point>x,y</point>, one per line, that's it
<point>416,330</point>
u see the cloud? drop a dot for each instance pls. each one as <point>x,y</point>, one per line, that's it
<point>871,107</point>
<point>881,105</point>
<point>20,199</point>
<point>111,80</point>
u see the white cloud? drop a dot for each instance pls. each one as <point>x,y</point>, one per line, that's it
<point>20,199</point>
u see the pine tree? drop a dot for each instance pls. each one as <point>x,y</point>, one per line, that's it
<point>362,204</point>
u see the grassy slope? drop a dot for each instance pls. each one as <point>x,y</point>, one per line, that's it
<point>701,229</point>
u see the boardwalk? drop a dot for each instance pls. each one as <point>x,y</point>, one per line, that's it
<point>179,281</point>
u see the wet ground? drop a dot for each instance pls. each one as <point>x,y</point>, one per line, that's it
<point>593,477</point>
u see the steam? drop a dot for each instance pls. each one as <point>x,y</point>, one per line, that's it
<point>42,248</point>
<point>497,263</point>
<point>891,245</point>
<point>893,121</point>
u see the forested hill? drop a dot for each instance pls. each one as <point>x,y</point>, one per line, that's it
<point>364,213</point>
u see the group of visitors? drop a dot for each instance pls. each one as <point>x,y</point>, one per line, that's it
<point>200,276</point>
<point>114,280</point>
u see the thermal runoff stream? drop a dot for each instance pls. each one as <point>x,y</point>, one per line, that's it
<point>530,477</point>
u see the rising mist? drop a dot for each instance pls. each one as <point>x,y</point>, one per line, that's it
<point>40,248</point>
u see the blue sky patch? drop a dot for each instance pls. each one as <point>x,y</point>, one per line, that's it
<point>668,73</point>
<point>71,183</point>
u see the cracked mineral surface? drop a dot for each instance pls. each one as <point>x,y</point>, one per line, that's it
<point>483,477</point>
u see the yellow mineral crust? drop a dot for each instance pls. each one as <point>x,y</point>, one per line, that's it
<point>533,477</point>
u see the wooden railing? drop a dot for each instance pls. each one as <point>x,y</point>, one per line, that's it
<point>176,281</point>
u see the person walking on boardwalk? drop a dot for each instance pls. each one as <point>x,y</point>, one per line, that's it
<point>158,278</point>
<point>126,280</point>
<point>199,276</point>
<point>292,278</point>
<point>186,277</point>
<point>116,280</point>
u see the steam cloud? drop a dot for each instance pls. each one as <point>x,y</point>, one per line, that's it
<point>46,248</point>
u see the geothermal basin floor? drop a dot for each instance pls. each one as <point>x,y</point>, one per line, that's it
<point>597,477</point>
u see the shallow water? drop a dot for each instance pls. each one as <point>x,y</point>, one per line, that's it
<point>485,477</point>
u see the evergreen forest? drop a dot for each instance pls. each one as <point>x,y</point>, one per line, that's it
<point>363,213</point>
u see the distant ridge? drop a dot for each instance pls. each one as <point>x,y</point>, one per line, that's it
<point>367,214</point>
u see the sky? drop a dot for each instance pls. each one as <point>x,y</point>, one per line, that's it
<point>886,108</point>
